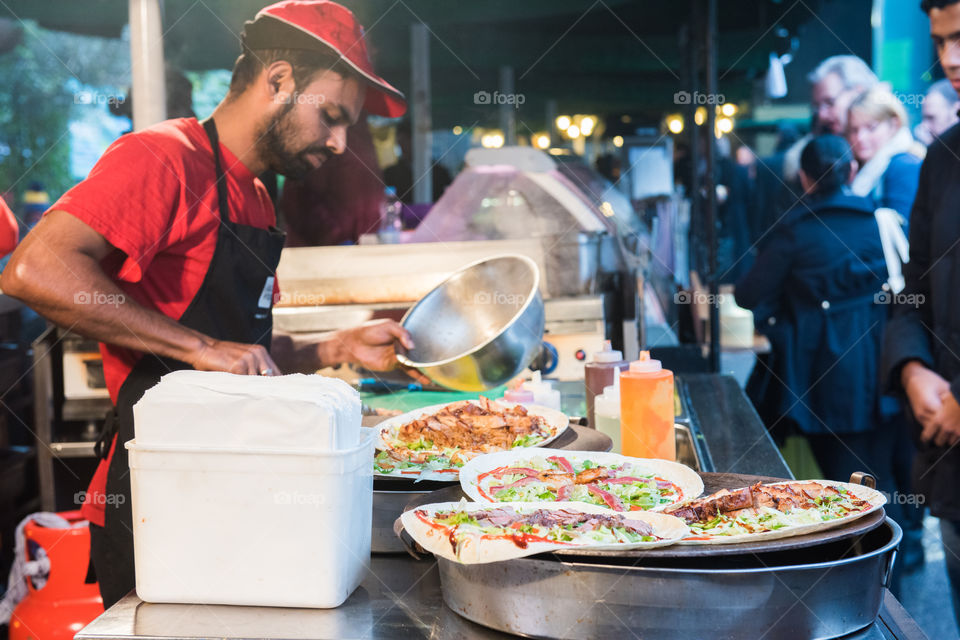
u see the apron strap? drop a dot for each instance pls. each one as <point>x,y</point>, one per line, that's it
<point>111,426</point>
<point>222,202</point>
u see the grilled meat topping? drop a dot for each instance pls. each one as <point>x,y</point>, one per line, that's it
<point>783,497</point>
<point>484,427</point>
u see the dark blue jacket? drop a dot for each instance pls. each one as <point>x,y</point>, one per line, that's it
<point>820,276</point>
<point>898,185</point>
<point>926,321</point>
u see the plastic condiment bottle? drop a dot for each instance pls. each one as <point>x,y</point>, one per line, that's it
<point>607,411</point>
<point>516,393</point>
<point>647,410</point>
<point>543,392</point>
<point>600,373</point>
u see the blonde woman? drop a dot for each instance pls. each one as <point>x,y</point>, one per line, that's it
<point>888,157</point>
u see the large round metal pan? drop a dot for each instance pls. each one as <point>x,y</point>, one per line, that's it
<point>712,482</point>
<point>824,592</point>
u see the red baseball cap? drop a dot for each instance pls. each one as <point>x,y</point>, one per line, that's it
<point>320,25</point>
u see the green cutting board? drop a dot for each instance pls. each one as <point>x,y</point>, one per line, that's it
<point>410,400</point>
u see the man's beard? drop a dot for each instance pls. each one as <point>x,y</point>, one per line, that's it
<point>276,149</point>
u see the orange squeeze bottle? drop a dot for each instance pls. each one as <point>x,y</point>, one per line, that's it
<point>647,410</point>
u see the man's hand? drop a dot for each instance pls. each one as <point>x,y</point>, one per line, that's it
<point>948,421</point>
<point>924,389</point>
<point>372,346</point>
<point>235,357</point>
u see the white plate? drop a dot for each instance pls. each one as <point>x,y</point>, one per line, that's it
<point>475,550</point>
<point>689,482</point>
<point>874,497</point>
<point>556,421</point>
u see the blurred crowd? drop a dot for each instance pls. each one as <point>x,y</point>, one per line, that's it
<point>844,244</point>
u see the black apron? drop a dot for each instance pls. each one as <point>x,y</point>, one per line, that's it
<point>233,303</point>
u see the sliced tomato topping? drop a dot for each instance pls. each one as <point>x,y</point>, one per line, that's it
<point>562,463</point>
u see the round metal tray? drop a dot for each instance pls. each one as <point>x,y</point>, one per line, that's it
<point>819,592</point>
<point>712,482</point>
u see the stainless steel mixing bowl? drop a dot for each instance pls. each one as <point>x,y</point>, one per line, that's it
<point>480,327</point>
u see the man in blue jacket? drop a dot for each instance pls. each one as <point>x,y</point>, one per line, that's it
<point>922,341</point>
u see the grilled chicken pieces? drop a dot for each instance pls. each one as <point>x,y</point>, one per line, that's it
<point>483,427</point>
<point>782,497</point>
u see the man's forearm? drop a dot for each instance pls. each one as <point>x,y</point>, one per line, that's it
<point>307,352</point>
<point>83,299</point>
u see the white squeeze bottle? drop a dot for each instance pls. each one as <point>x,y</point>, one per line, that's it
<point>606,409</point>
<point>543,392</point>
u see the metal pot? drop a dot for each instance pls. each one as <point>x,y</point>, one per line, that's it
<point>820,592</point>
<point>480,327</point>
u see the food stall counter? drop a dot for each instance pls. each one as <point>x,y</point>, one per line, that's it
<point>401,597</point>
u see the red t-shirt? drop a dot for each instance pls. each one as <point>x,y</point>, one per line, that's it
<point>153,196</point>
<point>9,231</point>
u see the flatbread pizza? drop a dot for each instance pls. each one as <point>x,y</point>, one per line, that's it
<point>432,443</point>
<point>607,480</point>
<point>472,533</point>
<point>776,510</point>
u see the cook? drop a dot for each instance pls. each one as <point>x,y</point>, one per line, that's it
<point>167,252</point>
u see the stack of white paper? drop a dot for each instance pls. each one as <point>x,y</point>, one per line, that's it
<point>227,411</point>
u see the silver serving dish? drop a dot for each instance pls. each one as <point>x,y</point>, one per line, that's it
<point>824,591</point>
<point>480,327</point>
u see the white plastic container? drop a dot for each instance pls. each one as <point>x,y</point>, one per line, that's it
<point>282,529</point>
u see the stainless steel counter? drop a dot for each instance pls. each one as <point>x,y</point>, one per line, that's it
<point>734,435</point>
<point>399,599</point>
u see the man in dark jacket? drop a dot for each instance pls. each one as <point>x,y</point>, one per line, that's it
<point>922,343</point>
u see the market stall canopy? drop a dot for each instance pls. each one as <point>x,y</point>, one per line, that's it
<point>604,57</point>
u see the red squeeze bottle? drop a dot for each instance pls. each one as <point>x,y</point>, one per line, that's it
<point>516,393</point>
<point>599,374</point>
<point>646,410</point>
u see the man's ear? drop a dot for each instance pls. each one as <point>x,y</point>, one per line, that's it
<point>279,79</point>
